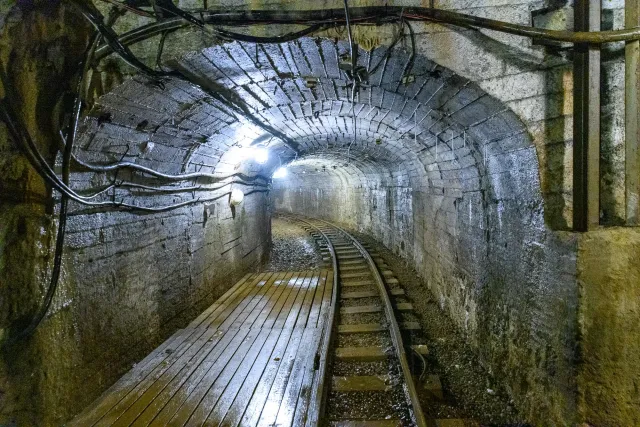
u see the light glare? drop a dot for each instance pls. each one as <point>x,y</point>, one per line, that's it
<point>261,155</point>
<point>280,173</point>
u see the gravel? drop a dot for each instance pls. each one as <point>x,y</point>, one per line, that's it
<point>464,380</point>
<point>293,248</point>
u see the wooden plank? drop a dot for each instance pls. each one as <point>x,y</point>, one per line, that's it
<point>247,305</point>
<point>182,393</point>
<point>362,383</point>
<point>305,309</point>
<point>259,376</point>
<point>303,364</point>
<point>360,354</point>
<point>359,294</point>
<point>364,328</point>
<point>289,315</point>
<point>314,313</point>
<point>368,423</point>
<point>391,281</point>
<point>266,394</point>
<point>196,322</point>
<point>355,275</point>
<point>154,398</point>
<point>238,366</point>
<point>355,283</point>
<point>279,315</point>
<point>272,304</point>
<point>226,318</point>
<point>239,345</point>
<point>190,374</point>
<point>275,289</point>
<point>357,309</point>
<point>326,300</point>
<point>353,268</point>
<point>309,383</point>
<point>170,367</point>
<point>114,393</point>
<point>222,312</point>
<point>404,306</point>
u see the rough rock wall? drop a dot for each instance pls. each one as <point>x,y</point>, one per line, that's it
<point>506,280</point>
<point>128,280</point>
<point>609,280</point>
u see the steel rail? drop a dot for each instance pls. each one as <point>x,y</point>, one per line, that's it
<point>394,328</point>
<point>369,15</point>
<point>319,394</point>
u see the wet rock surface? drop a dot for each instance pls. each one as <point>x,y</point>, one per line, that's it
<point>293,248</point>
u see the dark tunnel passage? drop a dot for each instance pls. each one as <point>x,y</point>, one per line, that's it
<point>179,182</point>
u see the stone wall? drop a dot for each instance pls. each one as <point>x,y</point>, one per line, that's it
<point>129,280</point>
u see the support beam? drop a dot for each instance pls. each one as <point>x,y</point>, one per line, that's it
<point>586,120</point>
<point>632,116</point>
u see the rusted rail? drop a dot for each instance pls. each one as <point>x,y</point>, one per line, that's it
<point>392,324</point>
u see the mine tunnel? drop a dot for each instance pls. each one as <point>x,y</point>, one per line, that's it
<point>292,213</point>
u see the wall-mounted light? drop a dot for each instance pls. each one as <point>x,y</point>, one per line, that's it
<point>237,196</point>
<point>280,173</point>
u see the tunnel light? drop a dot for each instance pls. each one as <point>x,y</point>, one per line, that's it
<point>260,155</point>
<point>237,196</point>
<point>280,173</point>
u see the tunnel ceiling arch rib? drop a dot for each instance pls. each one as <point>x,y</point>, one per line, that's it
<point>410,114</point>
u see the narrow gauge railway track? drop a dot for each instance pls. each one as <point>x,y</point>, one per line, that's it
<point>365,378</point>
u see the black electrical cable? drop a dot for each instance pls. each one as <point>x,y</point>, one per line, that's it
<point>111,38</point>
<point>181,177</point>
<point>283,38</point>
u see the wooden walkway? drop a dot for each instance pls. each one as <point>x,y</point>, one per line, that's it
<point>248,360</point>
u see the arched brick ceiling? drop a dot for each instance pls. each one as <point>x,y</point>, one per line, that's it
<point>439,126</point>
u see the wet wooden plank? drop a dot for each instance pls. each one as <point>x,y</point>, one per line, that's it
<point>275,375</point>
<point>260,376</point>
<point>238,367</point>
<point>369,423</point>
<point>240,344</point>
<point>226,317</point>
<point>168,368</point>
<point>114,393</point>
<point>302,366</point>
<point>183,381</point>
<point>282,288</point>
<point>227,306</point>
<point>249,302</point>
<point>358,309</point>
<point>281,311</point>
<point>153,398</point>
<point>275,289</point>
<point>196,322</point>
<point>314,312</point>
<point>309,295</point>
<point>360,354</point>
<point>362,383</point>
<point>289,315</point>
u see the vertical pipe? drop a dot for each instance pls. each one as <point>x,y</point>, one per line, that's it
<point>632,116</point>
<point>586,120</point>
